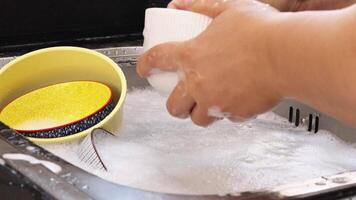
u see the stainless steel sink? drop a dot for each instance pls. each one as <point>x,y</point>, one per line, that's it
<point>74,183</point>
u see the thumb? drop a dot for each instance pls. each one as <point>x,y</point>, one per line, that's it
<point>211,8</point>
<point>165,57</point>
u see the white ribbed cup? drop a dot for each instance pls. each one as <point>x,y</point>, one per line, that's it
<point>168,25</point>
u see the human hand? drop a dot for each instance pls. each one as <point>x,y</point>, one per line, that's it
<point>302,5</point>
<point>291,5</point>
<point>226,71</point>
<point>286,5</point>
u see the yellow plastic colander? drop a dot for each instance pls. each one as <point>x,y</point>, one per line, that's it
<point>58,66</point>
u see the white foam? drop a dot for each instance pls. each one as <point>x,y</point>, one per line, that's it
<point>156,152</point>
<point>2,162</point>
<point>18,156</point>
<point>31,148</point>
<point>215,111</point>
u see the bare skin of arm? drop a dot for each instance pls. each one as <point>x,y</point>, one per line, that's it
<point>289,5</point>
<point>302,5</point>
<point>252,56</point>
<point>318,59</point>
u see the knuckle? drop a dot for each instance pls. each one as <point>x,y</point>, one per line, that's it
<point>196,85</point>
<point>152,55</point>
<point>187,54</point>
<point>173,109</point>
<point>201,120</point>
<point>198,122</point>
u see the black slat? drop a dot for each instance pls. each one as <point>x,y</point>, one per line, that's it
<point>297,117</point>
<point>291,113</point>
<point>310,123</point>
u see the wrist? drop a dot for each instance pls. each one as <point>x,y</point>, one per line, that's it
<point>277,60</point>
<point>301,49</point>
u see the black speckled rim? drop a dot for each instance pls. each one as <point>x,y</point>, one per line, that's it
<point>73,128</point>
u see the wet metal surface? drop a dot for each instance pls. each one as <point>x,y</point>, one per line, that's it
<point>74,183</point>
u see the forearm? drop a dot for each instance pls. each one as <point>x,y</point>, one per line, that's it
<point>324,4</point>
<point>302,5</point>
<point>315,58</point>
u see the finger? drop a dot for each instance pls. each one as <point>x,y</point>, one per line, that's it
<point>237,119</point>
<point>172,5</point>
<point>180,103</point>
<point>179,4</point>
<point>210,8</point>
<point>200,116</point>
<point>164,57</point>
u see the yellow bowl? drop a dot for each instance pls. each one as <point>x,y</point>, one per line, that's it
<point>55,65</point>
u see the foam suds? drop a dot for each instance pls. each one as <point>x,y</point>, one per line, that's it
<point>216,112</point>
<point>18,156</point>
<point>31,148</point>
<point>2,162</point>
<point>157,152</point>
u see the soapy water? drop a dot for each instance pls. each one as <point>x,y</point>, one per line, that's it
<point>156,152</point>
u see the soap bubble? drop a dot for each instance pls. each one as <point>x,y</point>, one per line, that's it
<point>157,152</point>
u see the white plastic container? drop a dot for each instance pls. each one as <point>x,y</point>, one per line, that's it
<point>168,25</point>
